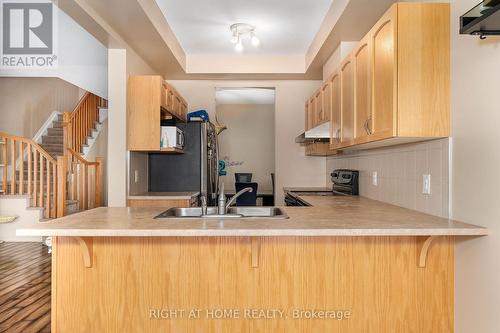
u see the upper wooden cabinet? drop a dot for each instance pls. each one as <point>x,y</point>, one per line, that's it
<point>326,97</point>
<point>149,100</point>
<point>395,84</point>
<point>347,102</point>
<point>385,89</point>
<point>335,112</point>
<point>361,60</point>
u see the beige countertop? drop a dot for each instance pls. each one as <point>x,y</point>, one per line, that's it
<point>330,216</point>
<point>164,195</point>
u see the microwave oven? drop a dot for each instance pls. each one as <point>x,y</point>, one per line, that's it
<point>171,137</point>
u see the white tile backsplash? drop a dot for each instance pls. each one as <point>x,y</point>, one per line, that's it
<point>400,170</point>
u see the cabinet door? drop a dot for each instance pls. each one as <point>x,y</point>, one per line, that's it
<point>347,106</point>
<point>306,113</point>
<point>383,36</point>
<point>313,114</point>
<point>319,107</point>
<point>143,112</point>
<point>362,91</point>
<point>335,114</point>
<point>326,94</point>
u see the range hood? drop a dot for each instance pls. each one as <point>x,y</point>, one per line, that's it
<point>320,133</point>
<point>482,20</point>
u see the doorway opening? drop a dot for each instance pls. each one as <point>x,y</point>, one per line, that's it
<point>245,118</point>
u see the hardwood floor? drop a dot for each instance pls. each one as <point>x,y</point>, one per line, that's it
<point>24,288</point>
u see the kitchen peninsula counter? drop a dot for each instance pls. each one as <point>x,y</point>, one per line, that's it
<point>370,266</point>
<point>329,216</point>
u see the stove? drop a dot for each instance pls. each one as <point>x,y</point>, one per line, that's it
<point>345,182</point>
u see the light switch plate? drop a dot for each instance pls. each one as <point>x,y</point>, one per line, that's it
<point>374,178</point>
<point>426,184</point>
<point>136,176</point>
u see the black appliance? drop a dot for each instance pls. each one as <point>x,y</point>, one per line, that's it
<point>344,182</point>
<point>196,170</point>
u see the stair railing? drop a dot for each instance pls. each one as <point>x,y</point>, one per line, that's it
<point>38,178</point>
<point>83,180</point>
<point>78,124</point>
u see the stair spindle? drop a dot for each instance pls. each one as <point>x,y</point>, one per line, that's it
<point>35,180</point>
<point>13,163</point>
<point>47,190</point>
<point>5,160</point>
<point>29,168</point>
<point>21,168</point>
<point>41,199</point>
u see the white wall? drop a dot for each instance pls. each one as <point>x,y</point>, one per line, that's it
<point>27,103</point>
<point>82,60</point>
<point>248,139</point>
<point>475,191</point>
<point>293,168</point>
<point>117,128</point>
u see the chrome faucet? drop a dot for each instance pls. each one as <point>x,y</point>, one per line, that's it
<point>203,205</point>
<point>223,206</point>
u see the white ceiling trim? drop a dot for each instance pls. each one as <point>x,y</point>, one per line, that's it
<point>331,18</point>
<point>229,64</point>
<point>261,96</point>
<point>155,15</point>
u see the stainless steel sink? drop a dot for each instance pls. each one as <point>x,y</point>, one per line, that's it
<point>232,213</point>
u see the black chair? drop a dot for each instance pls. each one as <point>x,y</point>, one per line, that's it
<point>247,198</point>
<point>242,177</point>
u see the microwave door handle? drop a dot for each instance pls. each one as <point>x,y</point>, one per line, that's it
<point>181,138</point>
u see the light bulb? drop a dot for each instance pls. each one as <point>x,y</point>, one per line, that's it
<point>235,37</point>
<point>239,46</point>
<point>255,40</point>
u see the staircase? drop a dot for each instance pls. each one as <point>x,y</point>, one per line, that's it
<point>53,175</point>
<point>52,142</point>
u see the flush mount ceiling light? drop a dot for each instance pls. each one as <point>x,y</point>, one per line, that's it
<point>240,31</point>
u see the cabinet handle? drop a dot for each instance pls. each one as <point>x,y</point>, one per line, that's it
<point>365,125</point>
<point>337,134</point>
<point>368,125</point>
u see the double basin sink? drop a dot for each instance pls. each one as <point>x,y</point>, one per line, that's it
<point>232,213</point>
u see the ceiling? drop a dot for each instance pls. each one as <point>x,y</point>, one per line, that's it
<point>283,26</point>
<point>190,39</point>
<point>244,96</point>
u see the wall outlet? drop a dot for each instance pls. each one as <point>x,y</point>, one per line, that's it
<point>136,176</point>
<point>426,184</point>
<point>374,178</point>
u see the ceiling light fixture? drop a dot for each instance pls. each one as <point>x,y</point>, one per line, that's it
<point>240,31</point>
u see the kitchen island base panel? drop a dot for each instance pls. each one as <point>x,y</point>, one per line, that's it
<point>374,281</point>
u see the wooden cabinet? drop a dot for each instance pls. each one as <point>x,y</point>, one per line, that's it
<point>326,97</point>
<point>384,61</point>
<point>163,203</point>
<point>347,102</point>
<point>335,112</point>
<point>145,97</point>
<point>174,105</point>
<point>361,60</point>
<point>395,86</point>
<point>149,100</point>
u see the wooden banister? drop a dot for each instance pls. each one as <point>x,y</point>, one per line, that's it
<point>79,123</point>
<point>84,180</point>
<point>48,181</point>
<point>41,168</point>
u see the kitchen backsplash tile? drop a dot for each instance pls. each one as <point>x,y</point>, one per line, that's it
<point>399,171</point>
